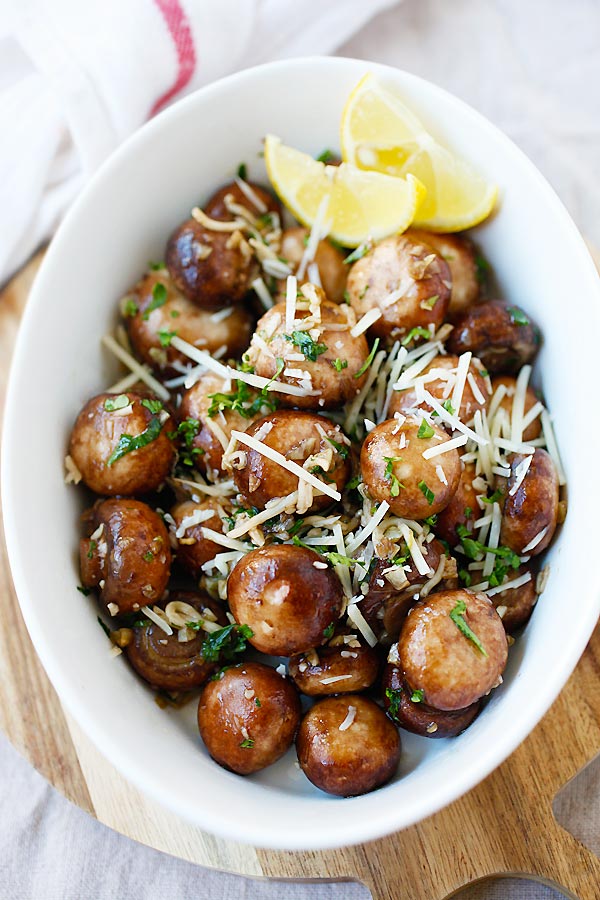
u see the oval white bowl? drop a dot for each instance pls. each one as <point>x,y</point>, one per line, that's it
<point>121,221</point>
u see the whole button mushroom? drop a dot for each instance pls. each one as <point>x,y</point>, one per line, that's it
<point>305,438</point>
<point>345,665</point>
<point>453,649</point>
<point>317,354</point>
<point>530,511</point>
<point>155,312</point>
<point>407,709</point>
<point>395,469</point>
<point>404,279</point>
<point>120,444</point>
<point>503,337</point>
<point>287,595</point>
<point>347,745</point>
<point>127,555</point>
<point>164,660</point>
<point>464,263</point>
<point>248,717</point>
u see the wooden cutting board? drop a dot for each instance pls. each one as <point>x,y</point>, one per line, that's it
<point>505,825</point>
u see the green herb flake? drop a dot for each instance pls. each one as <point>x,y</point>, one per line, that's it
<point>357,254</point>
<point>482,268</point>
<point>427,492</point>
<point>111,404</point>
<point>175,313</point>
<point>225,644</point>
<point>242,171</point>
<point>467,512</point>
<point>154,406</point>
<point>159,298</point>
<point>465,577</point>
<point>257,703</point>
<point>431,520</point>
<point>495,497</point>
<point>368,360</point>
<point>83,590</point>
<point>517,315</point>
<point>325,156</point>
<point>156,266</point>
<point>394,698</point>
<point>353,483</point>
<point>243,400</point>
<point>425,430</point>
<point>103,626</point>
<point>364,291</point>
<point>417,696</point>
<point>130,308</point>
<point>388,474</point>
<point>338,559</point>
<point>342,449</point>
<point>417,331</point>
<point>165,337</point>
<point>339,364</point>
<point>328,632</point>
<point>456,615</point>
<point>92,550</point>
<point>247,744</point>
<point>310,348</point>
<point>148,556</point>
<point>430,302</point>
<point>447,405</point>
<point>129,442</point>
<point>347,298</point>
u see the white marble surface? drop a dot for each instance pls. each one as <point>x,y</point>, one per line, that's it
<point>532,67</point>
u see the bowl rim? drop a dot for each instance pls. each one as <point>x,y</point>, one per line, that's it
<point>350,830</point>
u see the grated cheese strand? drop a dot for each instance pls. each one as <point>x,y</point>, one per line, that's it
<point>510,585</point>
<point>365,322</point>
<point>445,447</point>
<point>357,618</point>
<point>366,532</point>
<point>141,371</point>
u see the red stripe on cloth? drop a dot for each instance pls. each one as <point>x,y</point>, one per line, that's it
<point>179,27</point>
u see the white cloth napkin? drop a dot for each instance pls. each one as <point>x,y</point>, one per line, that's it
<point>78,76</point>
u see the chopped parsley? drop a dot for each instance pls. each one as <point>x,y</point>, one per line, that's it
<point>353,483</point>
<point>431,520</point>
<point>426,491</point>
<point>328,632</point>
<point>159,298</point>
<point>347,297</point>
<point>225,644</point>
<point>129,442</point>
<point>482,268</point>
<point>364,291</point>
<point>156,266</point>
<point>103,626</point>
<point>247,743</point>
<point>417,331</point>
<point>505,557</point>
<point>130,308</point>
<point>456,615</point>
<point>430,302</point>
<point>257,703</point>
<point>388,474</point>
<point>357,254</point>
<point>325,156</point>
<point>467,512</point>
<point>242,171</point>
<point>148,556</point>
<point>340,448</point>
<point>465,577</point>
<point>517,315</point>
<point>175,313</point>
<point>186,432</point>
<point>310,348</point>
<point>113,403</point>
<point>425,430</point>
<point>243,400</point>
<point>296,527</point>
<point>447,405</point>
<point>338,559</point>
<point>495,497</point>
<point>339,364</point>
<point>368,360</point>
<point>394,698</point>
<point>165,337</point>
<point>417,696</point>
<point>154,406</point>
<point>83,590</point>
<point>91,551</point>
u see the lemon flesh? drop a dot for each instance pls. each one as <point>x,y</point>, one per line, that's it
<point>380,133</point>
<point>356,204</point>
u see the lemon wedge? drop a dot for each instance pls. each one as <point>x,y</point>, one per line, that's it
<point>380,133</point>
<point>357,205</point>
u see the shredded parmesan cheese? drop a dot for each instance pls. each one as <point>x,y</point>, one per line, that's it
<point>351,715</point>
<point>141,371</point>
<point>366,321</point>
<point>157,619</point>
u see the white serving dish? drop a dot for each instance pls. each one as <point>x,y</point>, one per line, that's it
<point>121,221</point>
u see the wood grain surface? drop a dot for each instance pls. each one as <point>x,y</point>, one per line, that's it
<point>505,825</point>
